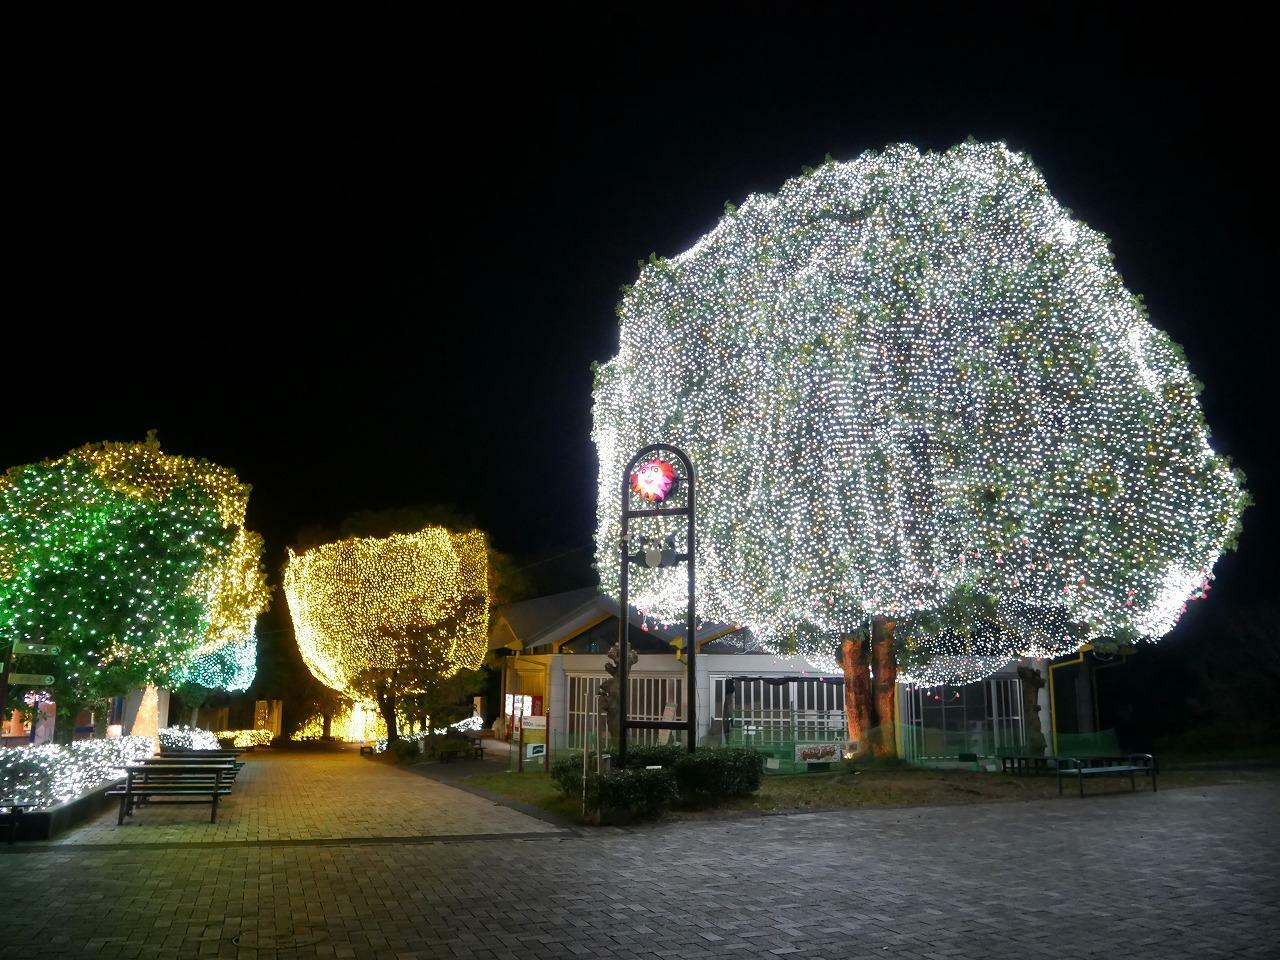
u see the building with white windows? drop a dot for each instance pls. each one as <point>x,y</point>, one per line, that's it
<point>552,654</point>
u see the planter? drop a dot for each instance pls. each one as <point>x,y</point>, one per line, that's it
<point>48,823</point>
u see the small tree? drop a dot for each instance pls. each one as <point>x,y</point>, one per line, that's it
<point>380,618</point>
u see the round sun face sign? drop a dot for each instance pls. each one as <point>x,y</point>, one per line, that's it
<point>653,480</point>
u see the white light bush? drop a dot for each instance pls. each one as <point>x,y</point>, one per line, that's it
<point>186,738</point>
<point>50,773</point>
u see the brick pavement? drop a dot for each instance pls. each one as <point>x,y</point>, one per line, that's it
<point>301,795</point>
<point>1192,873</point>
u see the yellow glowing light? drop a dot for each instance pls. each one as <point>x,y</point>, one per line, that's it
<point>358,723</point>
<point>244,739</point>
<point>354,602</point>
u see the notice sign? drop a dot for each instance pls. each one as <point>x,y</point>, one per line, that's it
<point>818,752</point>
<point>30,679</point>
<point>45,649</point>
<point>534,750</point>
<point>534,723</point>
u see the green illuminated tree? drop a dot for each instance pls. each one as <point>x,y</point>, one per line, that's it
<point>105,576</point>
<point>136,564</point>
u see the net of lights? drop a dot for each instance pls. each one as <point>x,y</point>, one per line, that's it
<point>49,774</point>
<point>466,725</point>
<point>244,739</point>
<point>915,387</point>
<point>186,738</point>
<point>153,566</point>
<point>354,723</point>
<point>352,600</point>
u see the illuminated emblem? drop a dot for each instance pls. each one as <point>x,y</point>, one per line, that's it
<point>653,480</point>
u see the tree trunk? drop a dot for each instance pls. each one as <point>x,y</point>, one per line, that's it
<point>64,721</point>
<point>387,707</point>
<point>885,670</point>
<point>1032,681</point>
<point>857,688</point>
<point>326,729</point>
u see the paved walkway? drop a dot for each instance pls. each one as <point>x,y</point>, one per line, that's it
<point>1191,873</point>
<point>301,796</point>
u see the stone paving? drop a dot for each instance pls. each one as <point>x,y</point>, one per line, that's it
<point>282,795</point>
<point>1191,873</point>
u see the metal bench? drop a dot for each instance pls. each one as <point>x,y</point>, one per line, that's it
<point>1131,766</point>
<point>16,810</point>
<point>152,783</point>
<point>1019,764</point>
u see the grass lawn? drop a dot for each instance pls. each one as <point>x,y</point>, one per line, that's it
<point>904,787</point>
<point>535,789</point>
<point>910,787</point>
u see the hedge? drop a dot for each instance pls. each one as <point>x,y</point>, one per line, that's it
<point>704,778</point>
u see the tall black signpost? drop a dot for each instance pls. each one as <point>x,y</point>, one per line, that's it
<point>654,477</point>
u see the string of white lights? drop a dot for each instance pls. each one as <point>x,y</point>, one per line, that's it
<point>906,382</point>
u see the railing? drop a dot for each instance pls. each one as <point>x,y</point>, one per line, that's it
<point>767,728</point>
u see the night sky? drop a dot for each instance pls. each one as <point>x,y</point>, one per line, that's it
<point>368,262</point>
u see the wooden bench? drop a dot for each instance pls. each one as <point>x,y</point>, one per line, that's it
<point>148,783</point>
<point>195,763</point>
<point>1131,766</point>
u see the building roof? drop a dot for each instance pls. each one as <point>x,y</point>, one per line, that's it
<point>547,620</point>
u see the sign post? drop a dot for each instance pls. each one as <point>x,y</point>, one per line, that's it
<point>30,679</point>
<point>533,740</point>
<point>651,477</point>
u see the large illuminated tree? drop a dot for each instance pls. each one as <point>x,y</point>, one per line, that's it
<point>383,618</point>
<point>918,395</point>
<point>134,562</point>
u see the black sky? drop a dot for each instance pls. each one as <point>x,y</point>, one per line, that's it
<point>366,260</point>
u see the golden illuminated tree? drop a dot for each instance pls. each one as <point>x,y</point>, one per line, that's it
<point>380,618</point>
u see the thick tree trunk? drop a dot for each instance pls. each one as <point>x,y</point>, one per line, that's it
<point>1032,681</point>
<point>387,707</point>
<point>326,729</point>
<point>884,666</point>
<point>857,688</point>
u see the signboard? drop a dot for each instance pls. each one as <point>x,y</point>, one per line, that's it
<point>21,646</point>
<point>819,752</point>
<point>534,750</point>
<point>30,679</point>
<point>533,723</point>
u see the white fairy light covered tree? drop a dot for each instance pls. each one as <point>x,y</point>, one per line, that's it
<point>916,392</point>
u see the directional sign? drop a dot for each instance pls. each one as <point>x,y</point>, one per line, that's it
<point>30,679</point>
<point>21,646</point>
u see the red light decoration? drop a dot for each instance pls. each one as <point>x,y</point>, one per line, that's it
<point>653,480</point>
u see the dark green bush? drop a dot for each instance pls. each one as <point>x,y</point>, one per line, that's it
<point>714,775</point>
<point>705,778</point>
<point>406,751</point>
<point>642,794</point>
<point>452,743</point>
<point>566,773</point>
<point>653,755</point>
